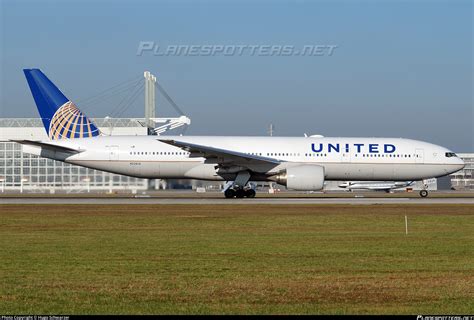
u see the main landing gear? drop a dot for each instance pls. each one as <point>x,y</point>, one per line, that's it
<point>239,193</point>
<point>239,188</point>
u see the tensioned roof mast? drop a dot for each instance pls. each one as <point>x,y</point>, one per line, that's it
<point>151,121</point>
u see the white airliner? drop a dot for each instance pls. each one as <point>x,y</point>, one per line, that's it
<point>386,186</point>
<point>299,163</point>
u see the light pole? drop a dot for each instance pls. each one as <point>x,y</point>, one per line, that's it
<point>21,184</point>
<point>87,180</point>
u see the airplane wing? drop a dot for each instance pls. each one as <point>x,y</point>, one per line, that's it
<point>221,156</point>
<point>48,146</point>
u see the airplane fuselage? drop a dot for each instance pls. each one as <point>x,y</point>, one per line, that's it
<point>361,159</point>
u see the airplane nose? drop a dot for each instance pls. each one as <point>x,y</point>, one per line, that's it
<point>454,165</point>
<point>459,165</point>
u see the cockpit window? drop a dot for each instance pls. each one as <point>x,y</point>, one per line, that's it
<point>450,154</point>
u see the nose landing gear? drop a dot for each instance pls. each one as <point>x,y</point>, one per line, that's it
<point>423,193</point>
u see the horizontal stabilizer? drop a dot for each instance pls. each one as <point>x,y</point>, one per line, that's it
<point>48,146</point>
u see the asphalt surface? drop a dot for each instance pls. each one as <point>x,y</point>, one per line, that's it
<point>150,200</point>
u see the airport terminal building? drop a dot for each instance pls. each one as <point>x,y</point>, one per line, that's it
<point>464,179</point>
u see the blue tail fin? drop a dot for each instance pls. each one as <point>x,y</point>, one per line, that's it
<point>61,118</point>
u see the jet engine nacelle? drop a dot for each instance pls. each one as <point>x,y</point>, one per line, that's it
<point>302,178</point>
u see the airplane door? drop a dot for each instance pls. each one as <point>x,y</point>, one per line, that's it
<point>345,165</point>
<point>419,156</point>
<point>113,153</point>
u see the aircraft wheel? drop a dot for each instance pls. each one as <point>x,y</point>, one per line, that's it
<point>239,193</point>
<point>229,193</point>
<point>423,193</point>
<point>250,193</point>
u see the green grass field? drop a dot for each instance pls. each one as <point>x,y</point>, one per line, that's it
<point>226,259</point>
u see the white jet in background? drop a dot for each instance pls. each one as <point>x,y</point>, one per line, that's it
<point>386,186</point>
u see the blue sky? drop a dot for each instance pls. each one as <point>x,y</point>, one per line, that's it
<point>400,69</point>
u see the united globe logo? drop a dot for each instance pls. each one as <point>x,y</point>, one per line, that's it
<point>69,122</point>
